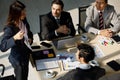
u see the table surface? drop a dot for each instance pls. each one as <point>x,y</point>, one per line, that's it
<point>111,52</point>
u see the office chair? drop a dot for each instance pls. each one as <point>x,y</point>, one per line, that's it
<point>40,19</point>
<point>82,18</point>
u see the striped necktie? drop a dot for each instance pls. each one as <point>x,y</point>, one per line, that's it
<point>58,21</point>
<point>101,23</point>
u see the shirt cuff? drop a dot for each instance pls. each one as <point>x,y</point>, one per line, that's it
<point>69,31</point>
<point>56,33</point>
<point>98,32</point>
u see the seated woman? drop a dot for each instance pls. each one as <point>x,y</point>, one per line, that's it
<point>85,71</point>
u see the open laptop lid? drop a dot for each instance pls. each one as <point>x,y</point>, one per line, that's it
<point>43,54</point>
<point>66,42</point>
<point>45,59</point>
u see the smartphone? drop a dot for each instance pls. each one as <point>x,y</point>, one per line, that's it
<point>116,38</point>
<point>114,65</point>
<point>35,47</point>
<point>46,44</point>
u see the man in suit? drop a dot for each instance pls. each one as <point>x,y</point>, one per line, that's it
<point>57,23</point>
<point>84,71</point>
<point>107,24</point>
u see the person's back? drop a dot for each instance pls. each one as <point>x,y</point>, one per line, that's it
<point>94,73</point>
<point>85,71</point>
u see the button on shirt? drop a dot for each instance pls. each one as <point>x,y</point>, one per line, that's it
<point>58,22</point>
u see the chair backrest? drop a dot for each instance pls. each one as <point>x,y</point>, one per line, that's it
<point>78,16</point>
<point>75,17</point>
<point>40,19</point>
<point>82,18</point>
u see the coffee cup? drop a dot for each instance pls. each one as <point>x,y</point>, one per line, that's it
<point>50,73</point>
<point>84,38</point>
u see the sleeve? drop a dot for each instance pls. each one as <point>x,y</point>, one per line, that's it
<point>100,72</point>
<point>30,34</point>
<point>47,32</point>
<point>7,42</point>
<point>89,23</point>
<point>70,75</point>
<point>71,26</point>
<point>115,21</point>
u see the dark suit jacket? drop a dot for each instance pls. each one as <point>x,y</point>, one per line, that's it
<point>19,51</point>
<point>49,25</point>
<point>93,73</point>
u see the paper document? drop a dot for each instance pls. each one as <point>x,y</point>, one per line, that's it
<point>70,65</point>
<point>98,52</point>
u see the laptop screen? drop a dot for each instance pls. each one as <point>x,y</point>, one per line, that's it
<point>67,42</point>
<point>43,54</point>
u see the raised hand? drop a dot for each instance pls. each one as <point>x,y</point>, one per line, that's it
<point>19,35</point>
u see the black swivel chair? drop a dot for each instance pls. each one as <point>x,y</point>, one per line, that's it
<point>82,18</point>
<point>40,18</point>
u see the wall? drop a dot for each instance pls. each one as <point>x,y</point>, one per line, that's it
<point>35,8</point>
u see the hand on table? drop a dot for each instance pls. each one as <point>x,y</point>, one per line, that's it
<point>106,33</point>
<point>63,29</point>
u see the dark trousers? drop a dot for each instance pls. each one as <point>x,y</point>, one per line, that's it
<point>20,68</point>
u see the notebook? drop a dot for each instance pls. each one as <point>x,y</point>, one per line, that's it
<point>68,42</point>
<point>45,59</point>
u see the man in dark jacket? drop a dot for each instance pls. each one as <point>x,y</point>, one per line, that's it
<point>84,71</point>
<point>56,23</point>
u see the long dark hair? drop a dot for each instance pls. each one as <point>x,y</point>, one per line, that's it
<point>15,11</point>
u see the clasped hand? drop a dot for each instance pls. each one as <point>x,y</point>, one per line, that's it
<point>19,35</point>
<point>63,29</point>
<point>106,33</point>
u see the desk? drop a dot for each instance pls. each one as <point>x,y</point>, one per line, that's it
<point>110,52</point>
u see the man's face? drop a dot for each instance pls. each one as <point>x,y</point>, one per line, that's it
<point>56,10</point>
<point>100,4</point>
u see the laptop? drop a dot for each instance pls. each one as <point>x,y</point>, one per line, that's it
<point>45,59</point>
<point>67,42</point>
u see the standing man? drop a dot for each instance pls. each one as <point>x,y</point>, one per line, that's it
<point>102,19</point>
<point>57,23</point>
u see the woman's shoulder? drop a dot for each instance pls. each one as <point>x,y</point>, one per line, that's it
<point>8,27</point>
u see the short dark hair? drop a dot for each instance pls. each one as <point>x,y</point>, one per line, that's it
<point>59,2</point>
<point>86,51</point>
<point>106,1</point>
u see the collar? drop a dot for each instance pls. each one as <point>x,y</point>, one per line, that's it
<point>84,66</point>
<point>57,17</point>
<point>100,11</point>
